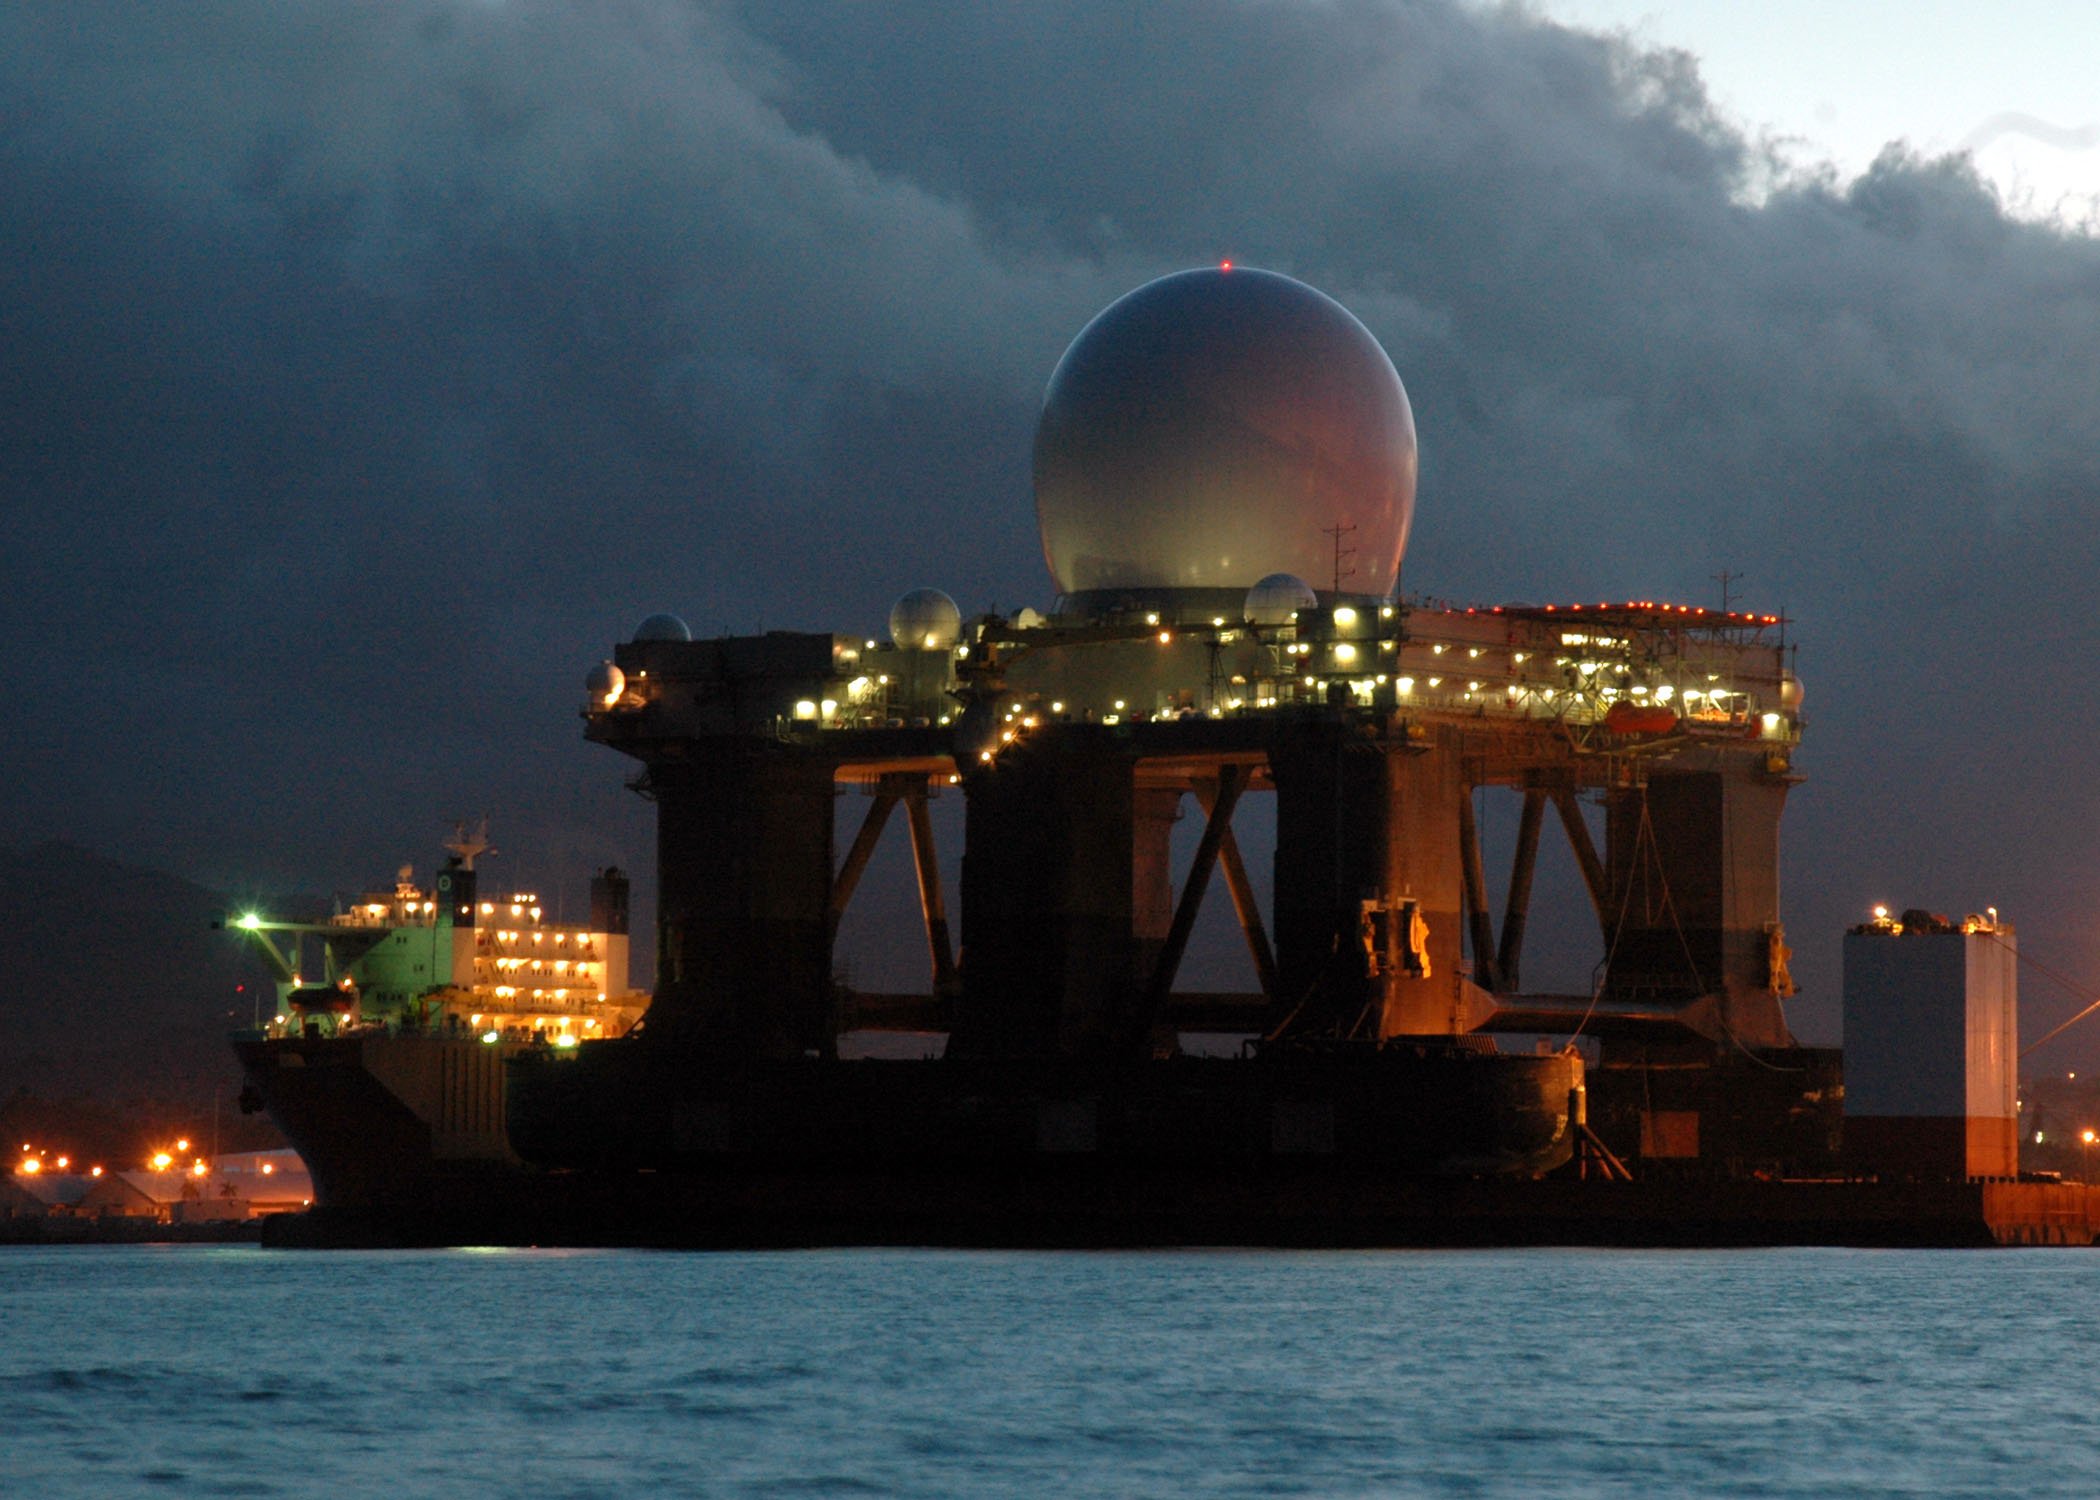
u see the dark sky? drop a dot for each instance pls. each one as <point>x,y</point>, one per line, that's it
<point>365,370</point>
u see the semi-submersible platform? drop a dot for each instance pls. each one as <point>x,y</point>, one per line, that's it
<point>1225,479</point>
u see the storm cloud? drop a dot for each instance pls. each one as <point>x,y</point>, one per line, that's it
<point>368,369</point>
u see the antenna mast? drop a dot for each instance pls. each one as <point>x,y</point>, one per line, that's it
<point>1337,531</point>
<point>469,846</point>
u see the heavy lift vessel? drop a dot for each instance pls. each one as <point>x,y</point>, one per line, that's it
<point>1208,445</point>
<point>1075,745</point>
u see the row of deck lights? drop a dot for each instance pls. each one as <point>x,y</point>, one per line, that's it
<point>1405,685</point>
<point>1650,606</point>
<point>1344,653</point>
<point>378,910</point>
<point>583,941</point>
<point>555,1032</point>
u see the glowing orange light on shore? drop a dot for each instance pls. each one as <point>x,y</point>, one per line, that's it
<point>162,1161</point>
<point>94,1171</point>
<point>64,1162</point>
<point>199,1169</point>
<point>31,1166</point>
<point>182,1145</point>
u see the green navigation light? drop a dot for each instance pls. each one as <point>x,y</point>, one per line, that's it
<point>249,922</point>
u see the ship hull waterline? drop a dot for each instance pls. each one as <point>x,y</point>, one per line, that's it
<point>382,1187</point>
<point>921,1152</point>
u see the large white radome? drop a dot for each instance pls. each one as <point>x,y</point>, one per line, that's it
<point>1211,428</point>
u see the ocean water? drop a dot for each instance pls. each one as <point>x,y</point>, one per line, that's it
<point>235,1371</point>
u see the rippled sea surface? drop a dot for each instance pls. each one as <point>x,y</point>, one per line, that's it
<point>236,1371</point>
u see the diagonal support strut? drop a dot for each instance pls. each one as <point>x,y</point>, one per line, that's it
<point>1585,854</point>
<point>856,862</point>
<point>1516,911</point>
<point>1245,904</point>
<point>1231,780</point>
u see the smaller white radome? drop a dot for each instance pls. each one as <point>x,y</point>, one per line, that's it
<point>1278,597</point>
<point>663,628</point>
<point>925,620</point>
<point>605,683</point>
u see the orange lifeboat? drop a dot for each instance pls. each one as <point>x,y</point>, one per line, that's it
<point>1626,717</point>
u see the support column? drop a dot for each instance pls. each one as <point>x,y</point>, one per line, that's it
<point>1047,897</point>
<point>1367,838</point>
<point>1322,976</point>
<point>745,889</point>
<point>1154,812</point>
<point>1424,864</point>
<point>1693,866</point>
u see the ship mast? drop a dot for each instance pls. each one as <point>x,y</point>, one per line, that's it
<point>467,847</point>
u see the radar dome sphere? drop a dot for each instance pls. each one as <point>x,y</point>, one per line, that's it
<point>1278,597</point>
<point>925,620</point>
<point>1215,426</point>
<point>662,628</point>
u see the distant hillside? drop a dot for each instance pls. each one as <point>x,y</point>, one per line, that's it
<point>112,983</point>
